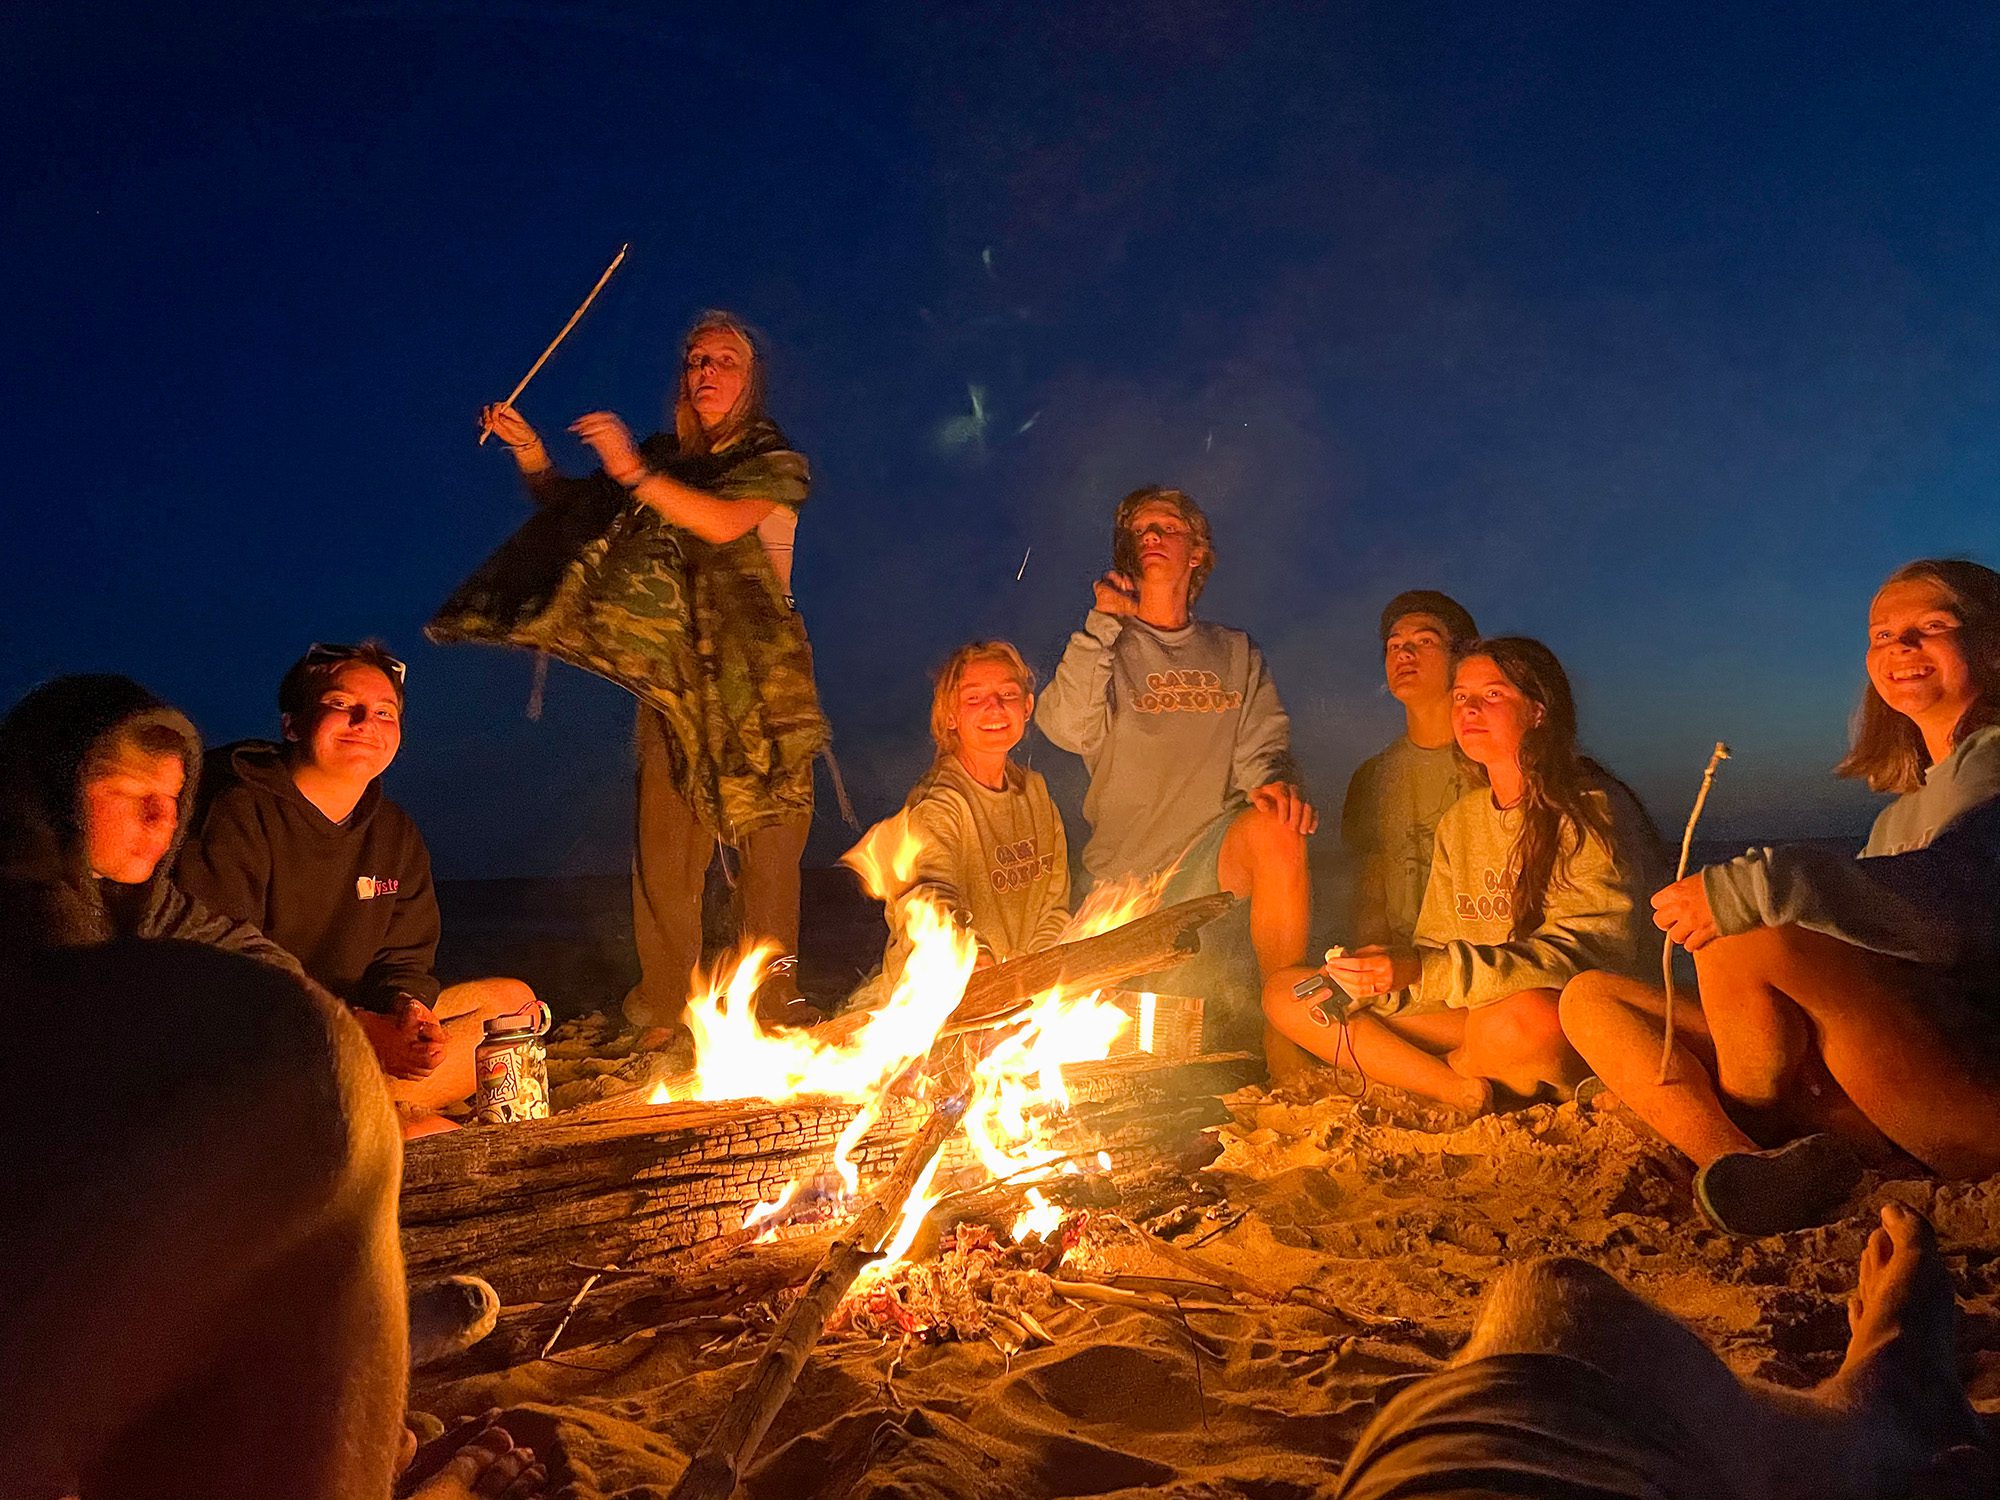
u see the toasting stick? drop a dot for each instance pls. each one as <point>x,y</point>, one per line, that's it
<point>1715,758</point>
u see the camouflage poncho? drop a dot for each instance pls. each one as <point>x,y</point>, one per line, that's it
<point>700,632</point>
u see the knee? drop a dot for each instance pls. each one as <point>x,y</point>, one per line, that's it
<point>1544,1304</point>
<point>1526,1025</point>
<point>1267,839</point>
<point>1587,1001</point>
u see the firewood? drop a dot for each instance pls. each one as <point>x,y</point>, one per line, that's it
<point>1157,941</point>
<point>715,1469</point>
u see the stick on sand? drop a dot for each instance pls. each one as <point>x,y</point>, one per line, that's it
<point>1715,758</point>
<point>574,318</point>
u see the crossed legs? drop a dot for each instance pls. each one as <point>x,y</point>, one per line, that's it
<point>1805,1031</point>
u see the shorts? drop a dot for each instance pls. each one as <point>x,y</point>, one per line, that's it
<point>1526,1427</point>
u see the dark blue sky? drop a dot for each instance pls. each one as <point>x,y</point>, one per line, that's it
<point>1661,333</point>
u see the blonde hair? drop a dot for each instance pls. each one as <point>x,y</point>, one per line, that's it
<point>944,697</point>
<point>688,431</point>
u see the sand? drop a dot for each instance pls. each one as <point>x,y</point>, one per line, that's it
<point>1395,1214</point>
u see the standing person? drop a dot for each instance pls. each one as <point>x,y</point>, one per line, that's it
<point>1536,877</point>
<point>1842,1001</point>
<point>299,839</point>
<point>1188,747</point>
<point>685,596</point>
<point>1396,798</point>
<point>991,847</point>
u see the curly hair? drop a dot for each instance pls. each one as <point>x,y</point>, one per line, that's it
<point>1125,547</point>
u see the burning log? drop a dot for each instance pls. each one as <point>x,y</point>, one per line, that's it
<point>664,1186</point>
<point>1157,941</point>
<point>713,1472</point>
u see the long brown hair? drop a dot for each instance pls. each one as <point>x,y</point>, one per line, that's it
<point>749,408</point>
<point>1887,750</point>
<point>1558,811</point>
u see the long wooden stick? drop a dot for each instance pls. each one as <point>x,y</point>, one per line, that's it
<point>574,318</point>
<point>1715,758</point>
<point>718,1467</point>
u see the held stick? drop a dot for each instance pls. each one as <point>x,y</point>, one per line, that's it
<point>1715,758</point>
<point>616,261</point>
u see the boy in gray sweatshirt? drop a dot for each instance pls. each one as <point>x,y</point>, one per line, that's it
<point>1188,747</point>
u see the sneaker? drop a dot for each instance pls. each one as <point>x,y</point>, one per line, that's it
<point>1755,1193</point>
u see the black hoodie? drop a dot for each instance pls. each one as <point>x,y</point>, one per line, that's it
<point>353,900</point>
<point>48,896</point>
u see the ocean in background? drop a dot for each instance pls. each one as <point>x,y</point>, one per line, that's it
<point>571,939</point>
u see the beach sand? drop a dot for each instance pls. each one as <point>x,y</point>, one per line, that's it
<point>1395,1218</point>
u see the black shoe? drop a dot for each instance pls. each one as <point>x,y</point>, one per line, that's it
<point>1755,1193</point>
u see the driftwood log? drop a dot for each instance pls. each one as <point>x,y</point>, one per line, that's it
<point>662,1186</point>
<point>1156,941</point>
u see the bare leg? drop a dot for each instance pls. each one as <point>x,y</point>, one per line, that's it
<point>1264,862</point>
<point>1402,1053</point>
<point>1518,1043</point>
<point>1876,1021</point>
<point>1617,1024</point>
<point>1895,1405</point>
<point>670,858</point>
<point>197,1309</point>
<point>464,1009</point>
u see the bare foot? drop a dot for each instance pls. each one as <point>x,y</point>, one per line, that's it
<point>484,1463</point>
<point>1901,1356</point>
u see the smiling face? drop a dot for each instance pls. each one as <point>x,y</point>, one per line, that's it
<point>989,711</point>
<point>131,806</point>
<point>355,728</point>
<point>1416,659</point>
<point>1916,656</point>
<point>715,374</point>
<point>1490,717</point>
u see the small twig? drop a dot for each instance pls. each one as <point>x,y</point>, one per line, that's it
<point>1222,1228</point>
<point>1715,758</point>
<point>570,1311</point>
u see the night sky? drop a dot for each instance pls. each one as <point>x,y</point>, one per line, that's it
<point>1659,333</point>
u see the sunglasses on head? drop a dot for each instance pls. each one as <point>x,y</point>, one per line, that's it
<point>321,652</point>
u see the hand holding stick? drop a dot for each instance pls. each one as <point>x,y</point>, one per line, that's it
<point>1715,758</point>
<point>574,318</point>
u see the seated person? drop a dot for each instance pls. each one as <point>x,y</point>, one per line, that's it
<point>1395,799</point>
<point>299,839</point>
<point>196,1308</point>
<point>1572,1386</point>
<point>1842,1001</point>
<point>991,843</point>
<point>97,777</point>
<point>1536,877</point>
<point>1188,747</point>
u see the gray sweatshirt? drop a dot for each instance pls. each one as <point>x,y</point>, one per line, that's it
<point>1595,913</point>
<point>1176,728</point>
<point>1927,884</point>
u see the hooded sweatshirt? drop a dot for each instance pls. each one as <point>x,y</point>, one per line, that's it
<point>353,900</point>
<point>48,896</point>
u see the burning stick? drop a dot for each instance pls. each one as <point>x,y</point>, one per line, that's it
<point>1715,758</point>
<point>574,318</point>
<point>718,1466</point>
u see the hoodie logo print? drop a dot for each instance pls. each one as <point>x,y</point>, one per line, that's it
<point>368,887</point>
<point>1186,691</point>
